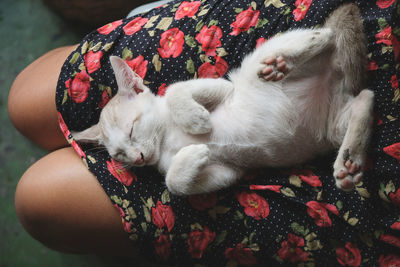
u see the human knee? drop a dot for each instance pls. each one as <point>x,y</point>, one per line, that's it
<point>14,105</point>
<point>34,208</point>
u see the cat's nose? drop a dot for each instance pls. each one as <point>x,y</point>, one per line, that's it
<point>140,159</point>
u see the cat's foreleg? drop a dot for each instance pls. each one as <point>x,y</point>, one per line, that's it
<point>191,101</point>
<point>350,162</point>
<point>185,167</point>
<point>192,173</point>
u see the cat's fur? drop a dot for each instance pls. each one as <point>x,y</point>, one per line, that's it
<point>296,96</point>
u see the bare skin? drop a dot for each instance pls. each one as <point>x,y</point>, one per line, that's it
<point>58,201</point>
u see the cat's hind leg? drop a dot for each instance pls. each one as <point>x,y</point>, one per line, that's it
<point>291,50</point>
<point>275,69</point>
<point>350,162</point>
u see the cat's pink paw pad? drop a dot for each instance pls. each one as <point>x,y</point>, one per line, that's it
<point>348,171</point>
<point>274,70</point>
<point>347,185</point>
<point>352,167</point>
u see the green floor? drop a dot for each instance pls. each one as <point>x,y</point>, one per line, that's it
<point>27,30</point>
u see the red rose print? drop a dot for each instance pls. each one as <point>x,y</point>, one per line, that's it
<point>395,197</point>
<point>384,3</point>
<point>292,249</point>
<point>319,212</point>
<point>260,41</point>
<point>372,65</point>
<point>254,205</point>
<point>163,247</point>
<point>63,126</point>
<point>135,25</point>
<point>198,241</point>
<point>241,255</point>
<point>393,150</point>
<point>301,10</point>
<point>138,65</point>
<point>104,99</point>
<point>275,188</point>
<point>171,43</point>
<point>78,87</point>
<point>245,20</point>
<point>390,260</point>
<point>390,239</point>
<point>394,81</point>
<point>127,225</point>
<point>210,39</point>
<point>396,47</point>
<point>395,226</point>
<point>384,36</point>
<point>78,149</point>
<point>187,9</point>
<point>162,89</point>
<point>119,172</point>
<point>308,177</point>
<point>349,255</point>
<point>203,201</point>
<point>208,70</point>
<point>163,216</point>
<point>92,61</point>
<point>106,29</point>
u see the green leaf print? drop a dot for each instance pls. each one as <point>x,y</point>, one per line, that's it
<point>74,58</point>
<point>127,54</point>
<point>190,66</point>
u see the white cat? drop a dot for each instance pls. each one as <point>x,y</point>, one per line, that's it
<point>296,96</point>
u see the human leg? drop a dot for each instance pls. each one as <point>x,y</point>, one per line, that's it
<point>31,101</point>
<point>61,204</point>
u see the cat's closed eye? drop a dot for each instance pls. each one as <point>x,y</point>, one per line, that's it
<point>120,154</point>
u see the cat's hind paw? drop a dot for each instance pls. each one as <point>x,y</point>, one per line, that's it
<point>348,170</point>
<point>274,69</point>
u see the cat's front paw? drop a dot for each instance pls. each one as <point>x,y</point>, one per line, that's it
<point>185,169</point>
<point>193,119</point>
<point>348,170</point>
<point>274,69</point>
<point>198,121</point>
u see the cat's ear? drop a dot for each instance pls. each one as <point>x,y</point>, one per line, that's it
<point>90,135</point>
<point>129,83</point>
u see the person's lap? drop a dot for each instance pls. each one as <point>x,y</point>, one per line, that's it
<point>58,200</point>
<point>31,104</point>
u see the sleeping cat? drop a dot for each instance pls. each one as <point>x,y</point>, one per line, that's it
<point>296,96</point>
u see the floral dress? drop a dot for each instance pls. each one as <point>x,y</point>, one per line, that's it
<point>274,217</point>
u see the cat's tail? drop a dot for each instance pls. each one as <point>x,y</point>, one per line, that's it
<point>351,51</point>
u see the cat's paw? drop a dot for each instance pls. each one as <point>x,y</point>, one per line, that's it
<point>348,170</point>
<point>185,168</point>
<point>274,69</point>
<point>194,120</point>
<point>199,122</point>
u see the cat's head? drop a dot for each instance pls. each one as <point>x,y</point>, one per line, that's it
<point>128,127</point>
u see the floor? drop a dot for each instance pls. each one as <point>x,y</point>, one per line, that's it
<point>27,30</point>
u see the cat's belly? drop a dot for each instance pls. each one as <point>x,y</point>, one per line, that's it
<point>273,154</point>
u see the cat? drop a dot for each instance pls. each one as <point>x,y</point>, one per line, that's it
<point>296,96</point>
